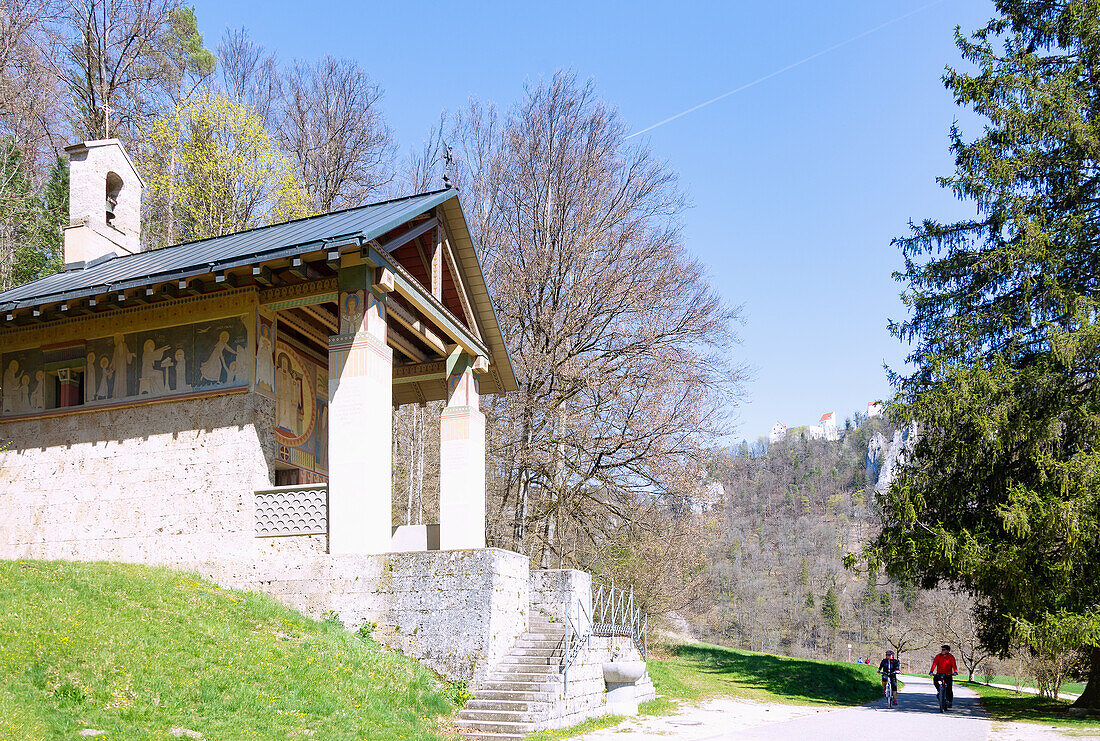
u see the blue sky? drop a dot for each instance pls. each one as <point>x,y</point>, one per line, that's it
<point>797,184</point>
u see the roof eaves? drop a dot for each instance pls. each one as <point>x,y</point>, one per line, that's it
<point>180,273</point>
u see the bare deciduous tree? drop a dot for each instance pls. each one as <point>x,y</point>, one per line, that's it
<point>250,75</point>
<point>621,346</point>
<point>952,621</point>
<point>29,93</point>
<point>334,132</point>
<point>424,167</point>
<point>111,52</point>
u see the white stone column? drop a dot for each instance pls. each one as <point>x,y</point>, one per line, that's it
<point>360,387</point>
<point>461,460</point>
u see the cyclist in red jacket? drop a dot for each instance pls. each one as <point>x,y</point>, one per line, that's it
<point>943,669</point>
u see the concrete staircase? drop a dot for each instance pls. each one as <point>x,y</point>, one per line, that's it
<point>521,691</point>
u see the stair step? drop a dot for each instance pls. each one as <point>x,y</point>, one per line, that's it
<point>496,716</point>
<point>532,662</point>
<point>510,686</point>
<point>526,668</point>
<point>535,677</point>
<point>476,735</point>
<point>534,653</point>
<point>540,644</point>
<point>524,705</point>
<point>488,695</point>
<point>500,726</point>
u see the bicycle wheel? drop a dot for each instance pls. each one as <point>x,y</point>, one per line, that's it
<point>943,695</point>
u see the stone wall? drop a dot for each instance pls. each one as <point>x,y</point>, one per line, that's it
<point>459,612</point>
<point>164,483</point>
<point>558,593</point>
<point>584,695</point>
<point>563,593</point>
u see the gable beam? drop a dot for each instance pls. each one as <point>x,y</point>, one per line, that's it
<point>422,332</point>
<point>403,239</point>
<point>437,264</point>
<point>322,316</point>
<point>460,284</point>
<point>401,344</point>
<point>431,307</point>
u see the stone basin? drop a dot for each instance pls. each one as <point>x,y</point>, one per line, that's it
<point>623,672</point>
<point>621,677</point>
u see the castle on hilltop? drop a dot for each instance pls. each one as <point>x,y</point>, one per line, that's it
<point>825,429</point>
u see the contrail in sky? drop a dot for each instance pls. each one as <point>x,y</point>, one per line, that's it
<point>770,75</point>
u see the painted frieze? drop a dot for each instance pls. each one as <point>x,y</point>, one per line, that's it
<point>128,367</point>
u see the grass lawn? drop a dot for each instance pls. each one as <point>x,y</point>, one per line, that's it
<point>136,651</point>
<point>1073,687</point>
<point>700,671</point>
<point>1012,706</point>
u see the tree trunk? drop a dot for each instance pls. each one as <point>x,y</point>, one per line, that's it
<point>1090,698</point>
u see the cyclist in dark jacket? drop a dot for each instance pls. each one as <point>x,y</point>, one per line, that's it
<point>889,668</point>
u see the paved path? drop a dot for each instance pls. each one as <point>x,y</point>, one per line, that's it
<point>916,717</point>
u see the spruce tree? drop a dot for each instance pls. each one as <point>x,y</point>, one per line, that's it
<point>1001,494</point>
<point>830,610</point>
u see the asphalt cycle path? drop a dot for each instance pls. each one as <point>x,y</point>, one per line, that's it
<point>917,717</point>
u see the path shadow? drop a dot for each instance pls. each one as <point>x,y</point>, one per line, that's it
<point>797,679</point>
<point>919,696</point>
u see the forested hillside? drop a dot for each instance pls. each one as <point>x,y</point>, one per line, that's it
<point>789,514</point>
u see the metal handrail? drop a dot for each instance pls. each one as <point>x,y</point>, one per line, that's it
<point>575,640</point>
<point>615,613</point>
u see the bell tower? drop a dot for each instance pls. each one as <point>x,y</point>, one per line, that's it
<point>104,203</point>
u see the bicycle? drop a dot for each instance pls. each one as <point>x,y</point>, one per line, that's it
<point>890,690</point>
<point>940,680</point>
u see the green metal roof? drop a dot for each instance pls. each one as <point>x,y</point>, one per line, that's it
<point>220,253</point>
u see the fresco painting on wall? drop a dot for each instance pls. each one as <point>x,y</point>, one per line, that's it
<point>265,351</point>
<point>223,357</point>
<point>23,381</point>
<point>351,312</point>
<point>137,365</point>
<point>301,413</point>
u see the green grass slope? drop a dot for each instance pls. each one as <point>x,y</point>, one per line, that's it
<point>1074,687</point>
<point>136,651</point>
<point>1012,706</point>
<point>698,671</point>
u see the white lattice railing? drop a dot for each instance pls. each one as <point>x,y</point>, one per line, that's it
<point>615,613</point>
<point>301,509</point>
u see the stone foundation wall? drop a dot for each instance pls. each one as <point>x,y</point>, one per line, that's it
<point>164,483</point>
<point>458,612</point>
<point>563,593</point>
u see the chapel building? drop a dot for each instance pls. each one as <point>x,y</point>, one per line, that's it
<point>233,397</point>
